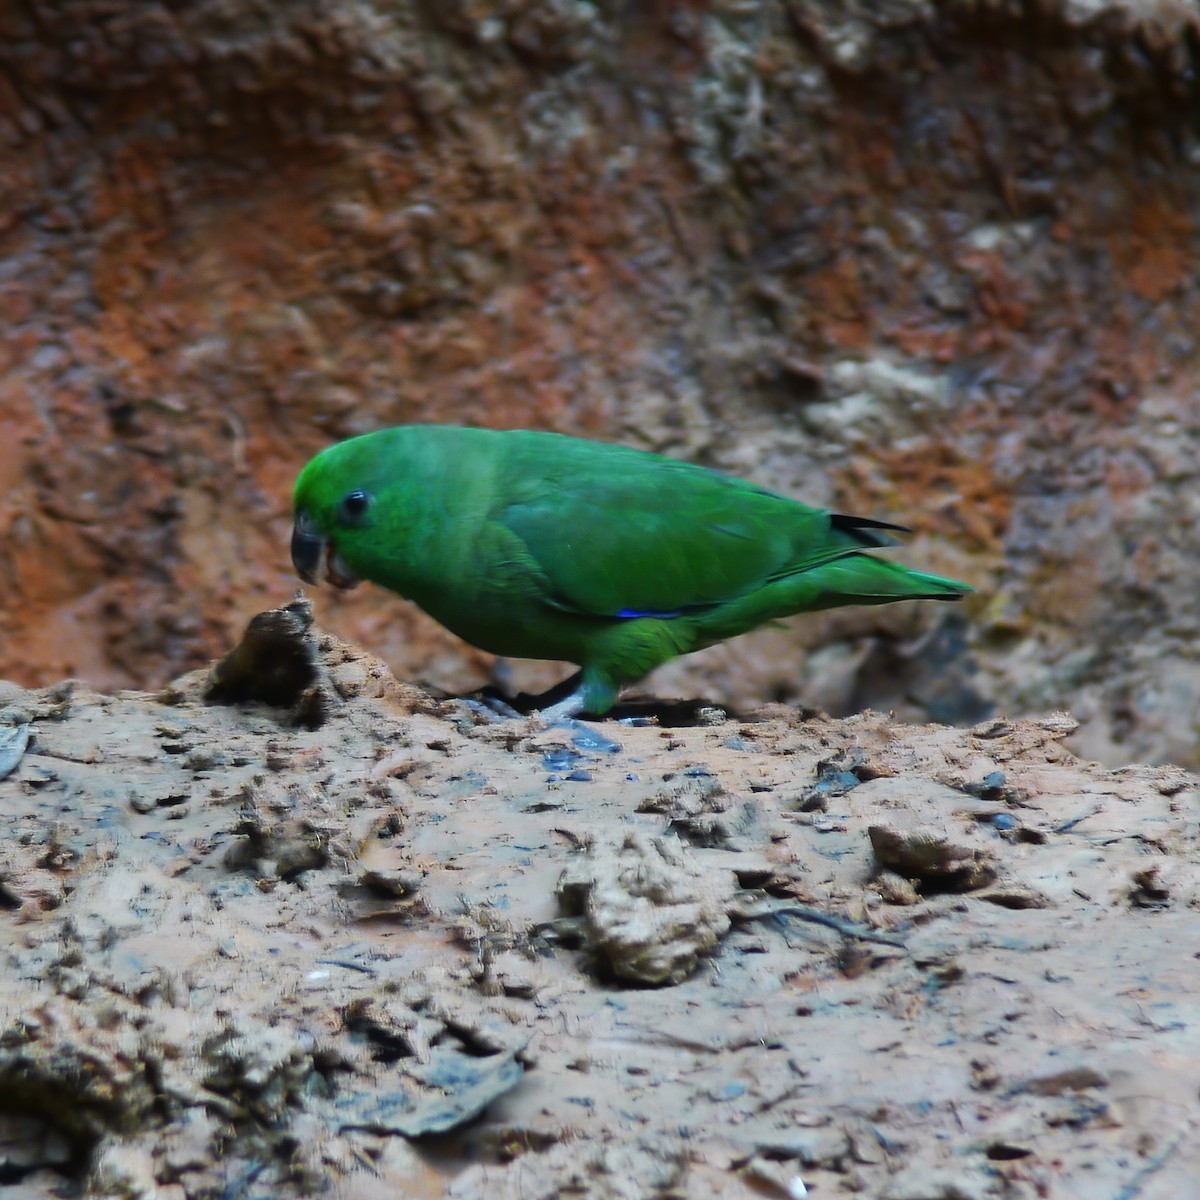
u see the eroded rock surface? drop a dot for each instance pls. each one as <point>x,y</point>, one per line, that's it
<point>241,955</point>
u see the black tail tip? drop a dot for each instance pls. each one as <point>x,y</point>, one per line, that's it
<point>866,531</point>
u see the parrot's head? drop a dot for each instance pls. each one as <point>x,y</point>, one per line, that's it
<point>337,505</point>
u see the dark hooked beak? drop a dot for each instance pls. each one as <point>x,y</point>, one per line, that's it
<point>308,549</point>
<point>314,556</point>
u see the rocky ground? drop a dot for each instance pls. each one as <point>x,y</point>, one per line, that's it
<point>349,938</point>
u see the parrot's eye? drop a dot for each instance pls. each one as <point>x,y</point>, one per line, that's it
<point>354,505</point>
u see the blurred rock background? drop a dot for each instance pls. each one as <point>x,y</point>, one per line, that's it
<point>933,262</point>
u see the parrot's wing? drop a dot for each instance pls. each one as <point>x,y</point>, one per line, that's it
<point>661,541</point>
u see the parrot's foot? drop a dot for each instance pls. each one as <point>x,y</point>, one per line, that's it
<point>552,706</point>
<point>572,698</point>
<point>583,693</point>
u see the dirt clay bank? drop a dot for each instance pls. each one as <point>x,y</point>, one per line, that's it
<point>292,928</point>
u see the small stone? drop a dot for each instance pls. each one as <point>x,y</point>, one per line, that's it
<point>652,908</point>
<point>930,856</point>
<point>895,889</point>
<point>13,742</point>
<point>1016,896</point>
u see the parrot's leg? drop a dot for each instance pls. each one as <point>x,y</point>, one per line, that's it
<point>564,710</point>
<point>589,692</point>
<point>623,652</point>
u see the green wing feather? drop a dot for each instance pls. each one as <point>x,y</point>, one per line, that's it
<point>618,532</point>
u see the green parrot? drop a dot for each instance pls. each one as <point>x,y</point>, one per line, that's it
<point>539,545</point>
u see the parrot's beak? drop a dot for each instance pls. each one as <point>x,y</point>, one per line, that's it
<point>314,556</point>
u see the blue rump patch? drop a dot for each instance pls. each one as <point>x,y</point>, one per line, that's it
<point>630,613</point>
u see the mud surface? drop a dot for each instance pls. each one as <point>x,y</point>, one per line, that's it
<point>375,943</point>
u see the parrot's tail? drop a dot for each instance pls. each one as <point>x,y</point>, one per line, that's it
<point>861,579</point>
<point>855,578</point>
